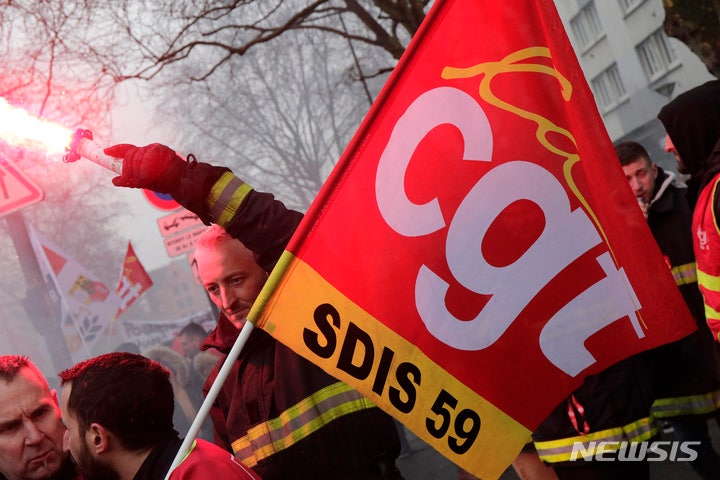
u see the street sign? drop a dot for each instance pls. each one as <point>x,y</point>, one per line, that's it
<point>177,222</point>
<point>163,201</point>
<point>183,242</point>
<point>16,189</point>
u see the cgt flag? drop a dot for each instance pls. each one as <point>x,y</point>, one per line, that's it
<point>133,282</point>
<point>476,252</point>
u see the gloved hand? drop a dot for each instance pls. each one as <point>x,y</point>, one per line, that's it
<point>155,167</point>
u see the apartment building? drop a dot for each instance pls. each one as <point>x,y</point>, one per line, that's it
<point>632,67</point>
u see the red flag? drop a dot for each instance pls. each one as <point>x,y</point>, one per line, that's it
<point>133,282</point>
<point>477,251</point>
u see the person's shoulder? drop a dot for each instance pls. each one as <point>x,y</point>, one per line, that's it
<point>209,461</point>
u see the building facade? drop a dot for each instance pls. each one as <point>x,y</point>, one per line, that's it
<point>632,67</point>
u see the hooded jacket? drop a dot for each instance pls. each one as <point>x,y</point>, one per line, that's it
<point>686,374</point>
<point>692,120</point>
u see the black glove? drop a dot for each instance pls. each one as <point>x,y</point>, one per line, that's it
<point>155,167</point>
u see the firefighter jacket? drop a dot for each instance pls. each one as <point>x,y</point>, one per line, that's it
<point>609,408</point>
<point>204,461</point>
<point>686,380</point>
<point>279,413</point>
<point>706,239</point>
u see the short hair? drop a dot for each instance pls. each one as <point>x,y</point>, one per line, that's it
<point>628,152</point>
<point>215,235</point>
<point>194,330</point>
<point>212,236</point>
<point>10,366</point>
<point>127,393</point>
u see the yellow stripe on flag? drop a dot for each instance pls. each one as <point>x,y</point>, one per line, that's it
<point>306,313</point>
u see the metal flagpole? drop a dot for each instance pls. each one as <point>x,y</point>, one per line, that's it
<point>212,395</point>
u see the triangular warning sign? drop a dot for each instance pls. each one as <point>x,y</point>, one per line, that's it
<point>16,189</point>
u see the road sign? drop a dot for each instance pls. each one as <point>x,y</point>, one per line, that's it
<point>16,189</point>
<point>177,222</point>
<point>163,201</point>
<point>183,242</point>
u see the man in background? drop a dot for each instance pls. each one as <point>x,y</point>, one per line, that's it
<point>686,376</point>
<point>191,337</point>
<point>31,428</point>
<point>118,409</point>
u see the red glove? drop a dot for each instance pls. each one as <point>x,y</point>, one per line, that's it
<point>155,167</point>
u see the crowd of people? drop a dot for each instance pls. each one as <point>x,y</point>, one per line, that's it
<point>671,391</point>
<point>277,416</point>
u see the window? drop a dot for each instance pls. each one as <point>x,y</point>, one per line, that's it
<point>586,26</point>
<point>656,55</point>
<point>628,6</point>
<point>608,88</point>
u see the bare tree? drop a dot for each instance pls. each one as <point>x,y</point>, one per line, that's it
<point>281,119</point>
<point>696,23</point>
<point>46,72</point>
<point>165,33</point>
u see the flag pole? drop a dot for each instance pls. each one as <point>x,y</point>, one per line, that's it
<point>212,395</point>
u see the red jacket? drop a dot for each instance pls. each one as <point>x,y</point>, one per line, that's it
<point>209,462</point>
<point>204,461</point>
<point>706,241</point>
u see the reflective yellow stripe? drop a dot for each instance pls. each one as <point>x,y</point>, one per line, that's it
<point>226,196</point>
<point>711,313</point>
<point>711,282</point>
<point>187,454</point>
<point>641,430</point>
<point>554,451</point>
<point>298,422</point>
<point>685,274</point>
<point>687,405</point>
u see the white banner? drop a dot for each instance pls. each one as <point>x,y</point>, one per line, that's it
<point>87,305</point>
<point>147,333</point>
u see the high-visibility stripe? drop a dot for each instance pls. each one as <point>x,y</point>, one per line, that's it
<point>226,196</point>
<point>298,422</point>
<point>711,313</point>
<point>187,454</point>
<point>554,451</point>
<point>685,274</point>
<point>687,405</point>
<point>711,282</point>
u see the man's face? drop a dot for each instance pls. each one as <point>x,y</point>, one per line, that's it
<point>31,429</point>
<point>92,467</point>
<point>232,278</point>
<point>641,175</point>
<point>190,344</point>
<point>669,147</point>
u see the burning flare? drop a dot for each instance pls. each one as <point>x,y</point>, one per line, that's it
<point>22,129</point>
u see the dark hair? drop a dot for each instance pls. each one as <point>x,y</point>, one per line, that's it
<point>10,365</point>
<point>127,393</point>
<point>194,330</point>
<point>629,152</point>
